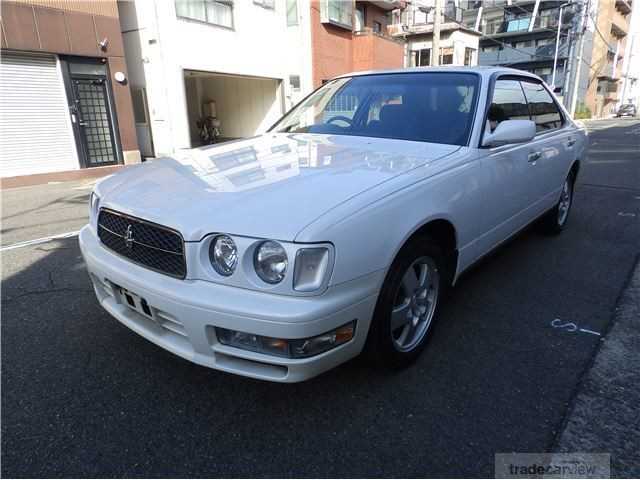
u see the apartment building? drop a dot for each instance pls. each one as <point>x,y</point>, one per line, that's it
<point>65,104</point>
<point>414,24</point>
<point>522,34</point>
<point>611,24</point>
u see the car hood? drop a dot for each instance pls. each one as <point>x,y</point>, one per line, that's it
<point>270,186</point>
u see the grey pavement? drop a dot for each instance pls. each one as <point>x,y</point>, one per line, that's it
<point>83,395</point>
<point>605,415</point>
<point>42,210</point>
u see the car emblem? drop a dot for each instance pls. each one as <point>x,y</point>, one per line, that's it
<point>128,237</point>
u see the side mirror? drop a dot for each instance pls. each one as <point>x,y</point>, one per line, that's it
<point>510,131</point>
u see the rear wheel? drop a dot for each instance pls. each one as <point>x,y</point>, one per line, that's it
<point>555,219</point>
<point>407,304</point>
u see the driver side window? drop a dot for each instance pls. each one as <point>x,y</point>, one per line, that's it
<point>509,103</point>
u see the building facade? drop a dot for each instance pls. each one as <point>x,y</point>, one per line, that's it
<point>522,34</point>
<point>65,102</point>
<point>240,62</point>
<point>244,63</point>
<point>611,23</point>
<point>414,24</point>
<point>348,36</point>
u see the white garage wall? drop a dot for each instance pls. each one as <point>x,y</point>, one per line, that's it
<point>245,106</point>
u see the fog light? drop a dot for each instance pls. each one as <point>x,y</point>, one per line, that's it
<point>315,345</point>
<point>298,348</point>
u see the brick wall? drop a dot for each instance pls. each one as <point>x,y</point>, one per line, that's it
<point>336,51</point>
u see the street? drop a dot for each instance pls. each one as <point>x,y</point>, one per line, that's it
<point>84,396</point>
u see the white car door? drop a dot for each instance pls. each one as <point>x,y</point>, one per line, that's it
<point>552,148</point>
<point>507,168</point>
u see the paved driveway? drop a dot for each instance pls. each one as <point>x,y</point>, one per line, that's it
<point>84,396</point>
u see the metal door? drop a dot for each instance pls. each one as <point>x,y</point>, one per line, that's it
<point>94,120</point>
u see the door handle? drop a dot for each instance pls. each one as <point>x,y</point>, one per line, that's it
<point>534,157</point>
<point>571,142</point>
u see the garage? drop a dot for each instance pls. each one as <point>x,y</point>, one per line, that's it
<point>244,106</point>
<point>35,126</point>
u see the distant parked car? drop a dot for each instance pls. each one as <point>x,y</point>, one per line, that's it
<point>627,110</point>
<point>281,256</point>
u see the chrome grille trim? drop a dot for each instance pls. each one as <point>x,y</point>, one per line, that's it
<point>166,257</point>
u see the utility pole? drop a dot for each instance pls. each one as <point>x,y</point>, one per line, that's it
<point>576,72</point>
<point>435,44</point>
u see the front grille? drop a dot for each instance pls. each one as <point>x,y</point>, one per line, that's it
<point>153,246</point>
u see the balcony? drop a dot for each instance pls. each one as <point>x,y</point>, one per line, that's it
<point>608,89</point>
<point>618,31</point>
<point>386,4</point>
<point>510,56</point>
<point>373,51</point>
<point>624,6</point>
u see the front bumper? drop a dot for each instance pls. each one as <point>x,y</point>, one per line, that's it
<point>187,312</point>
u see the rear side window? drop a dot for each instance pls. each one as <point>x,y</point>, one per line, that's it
<point>544,110</point>
<point>508,103</point>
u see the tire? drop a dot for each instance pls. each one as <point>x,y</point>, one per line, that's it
<point>417,310</point>
<point>554,221</point>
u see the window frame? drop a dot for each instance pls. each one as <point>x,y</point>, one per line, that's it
<point>325,14</point>
<point>519,78</point>
<point>229,3</point>
<point>288,4</point>
<point>563,120</point>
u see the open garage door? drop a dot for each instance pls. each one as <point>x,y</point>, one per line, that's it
<point>245,106</point>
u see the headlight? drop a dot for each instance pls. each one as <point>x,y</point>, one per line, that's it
<point>270,262</point>
<point>223,254</point>
<point>311,269</point>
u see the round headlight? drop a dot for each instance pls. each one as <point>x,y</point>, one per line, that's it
<point>223,254</point>
<point>270,262</point>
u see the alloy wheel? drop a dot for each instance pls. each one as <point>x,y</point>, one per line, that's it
<point>415,304</point>
<point>565,202</point>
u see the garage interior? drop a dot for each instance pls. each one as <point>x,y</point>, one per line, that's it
<point>245,106</point>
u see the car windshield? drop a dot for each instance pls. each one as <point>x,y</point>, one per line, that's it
<point>433,107</point>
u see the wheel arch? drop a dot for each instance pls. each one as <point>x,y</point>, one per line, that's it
<point>441,230</point>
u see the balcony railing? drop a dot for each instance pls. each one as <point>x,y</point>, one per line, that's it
<point>509,56</point>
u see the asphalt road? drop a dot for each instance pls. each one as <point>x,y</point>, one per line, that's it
<point>84,396</point>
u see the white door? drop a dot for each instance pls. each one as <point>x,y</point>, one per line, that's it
<point>553,145</point>
<point>507,168</point>
<point>35,127</point>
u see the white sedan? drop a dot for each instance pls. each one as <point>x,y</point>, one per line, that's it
<point>337,232</point>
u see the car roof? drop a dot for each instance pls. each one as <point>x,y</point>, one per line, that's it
<point>484,71</point>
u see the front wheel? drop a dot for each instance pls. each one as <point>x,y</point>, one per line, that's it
<point>555,219</point>
<point>407,304</point>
